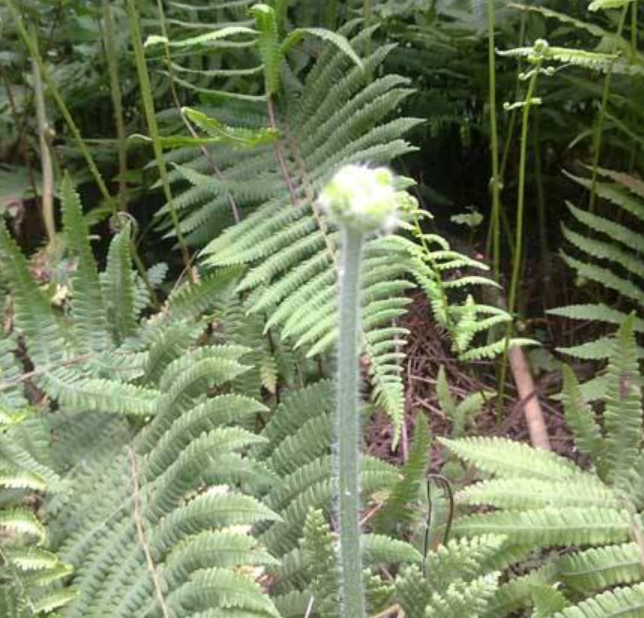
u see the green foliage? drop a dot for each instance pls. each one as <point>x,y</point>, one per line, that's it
<point>460,581</point>
<point>298,437</point>
<point>606,255</point>
<point>398,510</point>
<point>175,536</point>
<point>444,276</point>
<point>29,572</point>
<point>283,239</point>
<point>133,444</point>
<point>462,413</point>
<point>543,500</point>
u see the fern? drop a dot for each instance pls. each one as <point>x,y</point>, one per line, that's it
<point>439,271</point>
<point>397,511</point>
<point>90,357</point>
<point>29,572</point>
<point>282,237</point>
<point>297,448</point>
<point>317,562</point>
<point>299,438</point>
<point>608,255</point>
<point>174,538</point>
<point>543,500</point>
<point>620,602</point>
<point>623,411</point>
<point>459,581</point>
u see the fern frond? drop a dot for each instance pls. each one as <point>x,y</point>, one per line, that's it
<point>299,437</point>
<point>194,299</point>
<point>382,549</point>
<point>79,393</point>
<point>600,568</point>
<point>397,510</point>
<point>464,559</point>
<point>463,599</point>
<point>171,509</point>
<point>507,494</point>
<point>608,253</point>
<point>623,411</point>
<point>580,418</point>
<point>119,286</point>
<point>516,593</point>
<point>22,522</point>
<point>606,277</point>
<point>596,61</point>
<point>166,346</point>
<point>456,600</point>
<point>288,251</point>
<point>514,460</point>
<point>619,602</point>
<point>88,310</point>
<point>548,600</point>
<point>34,316</point>
<point>599,313</point>
<point>552,526</point>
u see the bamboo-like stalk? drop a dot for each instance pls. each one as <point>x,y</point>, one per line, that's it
<point>117,101</point>
<point>494,141</point>
<point>504,223</point>
<point>153,128</point>
<point>46,165</point>
<point>523,162</point>
<point>598,132</point>
<point>519,226</point>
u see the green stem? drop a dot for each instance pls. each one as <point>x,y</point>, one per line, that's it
<point>504,224</point>
<point>598,133</point>
<point>347,454</point>
<point>117,101</point>
<point>46,164</point>
<point>494,141</point>
<point>634,28</point>
<point>523,160</point>
<point>60,102</point>
<point>153,128</point>
<point>541,199</point>
<point>332,14</point>
<point>518,253</point>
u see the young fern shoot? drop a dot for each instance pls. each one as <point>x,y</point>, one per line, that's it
<point>361,201</point>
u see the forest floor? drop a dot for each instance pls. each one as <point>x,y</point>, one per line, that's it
<point>429,349</point>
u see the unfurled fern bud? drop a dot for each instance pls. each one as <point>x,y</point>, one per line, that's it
<point>363,199</point>
<point>360,200</point>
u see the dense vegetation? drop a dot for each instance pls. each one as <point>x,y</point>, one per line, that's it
<point>321,308</point>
